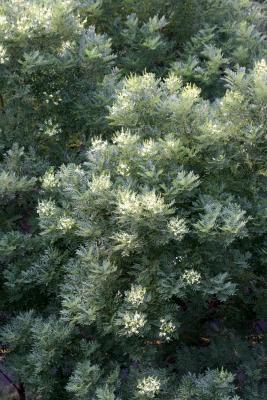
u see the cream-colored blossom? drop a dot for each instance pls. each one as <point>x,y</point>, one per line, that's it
<point>65,47</point>
<point>136,295</point>
<point>177,227</point>
<point>125,138</point>
<point>154,203</point>
<point>133,322</point>
<point>173,83</point>
<point>65,224</point>
<point>126,242</point>
<point>191,277</point>
<point>3,56</point>
<point>27,16</point>
<point>49,180</point>
<point>46,209</point>
<point>167,328</point>
<point>100,183</point>
<point>50,128</point>
<point>148,147</point>
<point>123,169</point>
<point>148,386</point>
<point>98,145</point>
<point>260,80</point>
<point>52,98</point>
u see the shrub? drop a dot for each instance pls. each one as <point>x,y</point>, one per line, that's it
<point>133,214</point>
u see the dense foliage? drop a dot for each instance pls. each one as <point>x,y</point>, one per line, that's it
<point>133,199</point>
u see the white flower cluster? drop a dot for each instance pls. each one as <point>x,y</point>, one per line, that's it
<point>46,209</point>
<point>126,242</point>
<point>50,128</point>
<point>177,227</point>
<point>3,57</point>
<point>136,295</point>
<point>148,148</point>
<point>27,16</point>
<point>65,47</point>
<point>148,386</point>
<point>123,169</point>
<point>100,183</point>
<point>53,98</point>
<point>49,180</point>
<point>133,322</point>
<point>167,328</point>
<point>261,68</point>
<point>191,277</point>
<point>154,203</point>
<point>97,148</point>
<point>173,83</point>
<point>190,93</point>
<point>260,80</point>
<point>128,203</point>
<point>125,139</point>
<point>30,18</point>
<point>3,21</point>
<point>65,224</point>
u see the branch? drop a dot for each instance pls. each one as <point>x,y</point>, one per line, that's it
<point>2,104</point>
<point>9,380</point>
